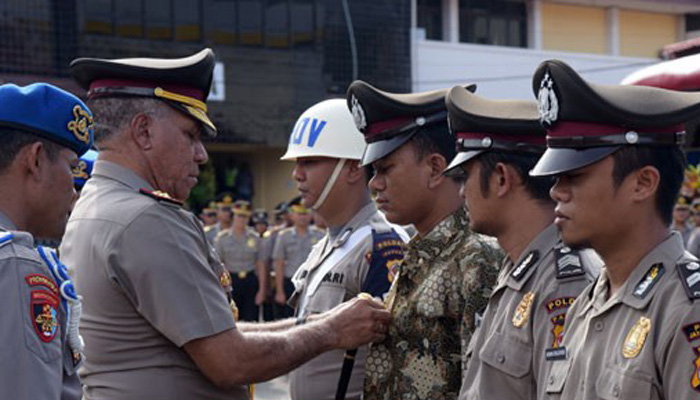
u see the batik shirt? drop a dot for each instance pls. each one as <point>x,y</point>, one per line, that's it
<point>445,279</point>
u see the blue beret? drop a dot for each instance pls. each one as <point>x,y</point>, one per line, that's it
<point>83,170</point>
<point>49,112</point>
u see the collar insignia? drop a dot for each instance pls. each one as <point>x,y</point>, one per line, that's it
<point>525,265</point>
<point>649,280</point>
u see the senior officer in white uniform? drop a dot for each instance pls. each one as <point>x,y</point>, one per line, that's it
<point>359,251</point>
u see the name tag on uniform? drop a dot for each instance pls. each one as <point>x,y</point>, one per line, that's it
<point>556,354</point>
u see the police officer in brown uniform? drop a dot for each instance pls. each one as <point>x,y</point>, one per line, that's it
<point>43,130</point>
<point>499,141</point>
<point>156,318</point>
<point>615,150</point>
<point>448,271</point>
<point>224,218</point>
<point>292,247</point>
<point>240,249</point>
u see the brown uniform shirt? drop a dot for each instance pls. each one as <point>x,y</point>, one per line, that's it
<point>643,342</point>
<point>37,362</point>
<point>523,323</point>
<point>150,283</point>
<point>239,254</point>
<point>293,248</point>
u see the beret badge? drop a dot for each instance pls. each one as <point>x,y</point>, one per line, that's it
<point>81,125</point>
<point>358,114</point>
<point>548,105</point>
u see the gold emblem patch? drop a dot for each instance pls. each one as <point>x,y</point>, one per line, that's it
<point>81,125</point>
<point>695,379</point>
<point>251,243</point>
<point>522,312</point>
<point>80,170</point>
<point>636,337</point>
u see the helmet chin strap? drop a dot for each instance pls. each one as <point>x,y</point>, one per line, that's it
<point>329,184</point>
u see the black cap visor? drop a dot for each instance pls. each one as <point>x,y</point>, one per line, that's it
<point>380,149</point>
<point>460,158</point>
<point>556,161</point>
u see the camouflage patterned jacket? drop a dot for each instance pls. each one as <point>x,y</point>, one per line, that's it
<point>445,279</point>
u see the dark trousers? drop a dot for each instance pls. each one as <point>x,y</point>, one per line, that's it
<point>244,291</point>
<point>285,311</point>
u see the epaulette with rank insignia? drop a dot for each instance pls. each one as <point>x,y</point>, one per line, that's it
<point>568,262</point>
<point>161,197</point>
<point>690,276</point>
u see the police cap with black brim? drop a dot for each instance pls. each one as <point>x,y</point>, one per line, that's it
<point>483,125</point>
<point>586,122</point>
<point>183,83</point>
<point>388,120</point>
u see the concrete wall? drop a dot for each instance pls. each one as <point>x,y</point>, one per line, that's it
<point>502,72</point>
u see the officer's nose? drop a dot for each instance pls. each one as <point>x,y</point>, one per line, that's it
<point>200,153</point>
<point>298,173</point>
<point>560,190</point>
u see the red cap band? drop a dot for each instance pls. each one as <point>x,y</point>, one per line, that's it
<point>529,139</point>
<point>564,129</point>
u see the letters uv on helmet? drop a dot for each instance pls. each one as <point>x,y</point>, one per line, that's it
<point>327,129</point>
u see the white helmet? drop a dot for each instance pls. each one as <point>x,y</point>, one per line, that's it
<point>327,129</point>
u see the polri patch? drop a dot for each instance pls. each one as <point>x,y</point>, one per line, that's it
<point>42,280</point>
<point>525,265</point>
<point>690,276</point>
<point>649,280</point>
<point>560,303</point>
<point>558,330</point>
<point>568,262</point>
<point>692,331</point>
<point>695,378</point>
<point>44,313</point>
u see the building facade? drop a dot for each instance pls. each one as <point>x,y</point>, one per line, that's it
<point>275,58</point>
<point>497,44</point>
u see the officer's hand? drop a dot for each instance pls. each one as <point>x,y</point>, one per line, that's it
<point>358,322</point>
<point>260,297</point>
<point>280,298</point>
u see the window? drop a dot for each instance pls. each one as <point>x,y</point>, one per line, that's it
<point>494,22</point>
<point>187,21</point>
<point>430,18</point>
<point>128,18</point>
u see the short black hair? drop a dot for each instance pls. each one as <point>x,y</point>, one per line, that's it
<point>537,187</point>
<point>12,140</point>
<point>668,160</point>
<point>434,138</point>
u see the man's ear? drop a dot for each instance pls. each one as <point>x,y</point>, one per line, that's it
<point>32,158</point>
<point>355,171</point>
<point>645,183</point>
<point>437,164</point>
<point>140,131</point>
<point>505,178</point>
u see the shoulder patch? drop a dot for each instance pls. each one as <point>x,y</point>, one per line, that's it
<point>525,265</point>
<point>161,197</point>
<point>692,331</point>
<point>690,276</point>
<point>42,280</point>
<point>568,262</point>
<point>649,280</point>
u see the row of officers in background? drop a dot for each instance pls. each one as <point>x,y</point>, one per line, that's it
<point>543,266</point>
<point>262,259</point>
